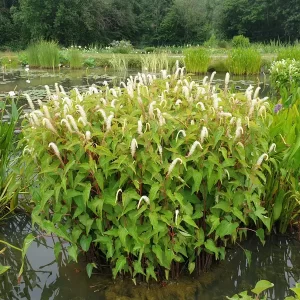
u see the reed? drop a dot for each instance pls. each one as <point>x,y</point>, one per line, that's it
<point>119,62</point>
<point>244,61</point>
<point>197,60</point>
<point>154,62</point>
<point>75,58</point>
<point>291,52</point>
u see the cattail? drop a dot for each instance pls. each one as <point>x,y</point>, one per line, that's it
<point>225,114</point>
<point>56,151</point>
<point>164,74</point>
<point>204,134</point>
<point>103,114</point>
<point>47,123</point>
<point>173,164</point>
<point>82,112</point>
<point>108,122</point>
<point>176,215</point>
<point>140,127</point>
<point>35,118</point>
<point>193,148</point>
<point>239,131</point>
<point>133,147</point>
<point>56,88</point>
<point>29,101</point>
<point>145,198</point>
<point>272,148</point>
<point>178,102</point>
<point>182,132</point>
<point>261,159</point>
<point>227,78</point>
<point>47,90</point>
<point>88,136</point>
<point>201,105</point>
<point>72,121</point>
<point>46,112</point>
<point>212,77</point>
<point>117,194</point>
<point>256,92</point>
<point>151,109</point>
<point>66,122</point>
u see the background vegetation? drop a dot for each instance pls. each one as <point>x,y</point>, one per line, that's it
<point>161,22</point>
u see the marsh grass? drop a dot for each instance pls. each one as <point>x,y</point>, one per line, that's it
<point>75,58</point>
<point>44,54</point>
<point>119,62</point>
<point>197,60</point>
<point>291,52</point>
<point>244,61</point>
<point>155,62</point>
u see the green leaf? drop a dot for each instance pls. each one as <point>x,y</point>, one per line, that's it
<point>277,209</point>
<point>72,251</point>
<point>248,256</point>
<point>226,228</point>
<point>153,191</point>
<point>260,233</point>
<point>3,269</point>
<point>224,205</point>
<point>57,249</point>
<point>89,269</point>
<point>239,214</point>
<point>296,290</point>
<point>191,267</point>
<point>189,220</point>
<point>261,286</point>
<point>85,242</point>
<point>121,262</point>
<point>27,242</point>
<point>150,272</point>
<point>211,246</point>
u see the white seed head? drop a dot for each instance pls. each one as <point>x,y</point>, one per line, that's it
<point>73,122</point>
<point>193,148</point>
<point>133,147</point>
<point>261,159</point>
<point>56,151</point>
<point>140,127</point>
<point>173,164</point>
<point>66,122</point>
<point>151,109</point>
<point>145,198</point>
<point>176,215</point>
<point>272,148</point>
<point>204,134</point>
<point>201,105</point>
<point>239,131</point>
<point>46,112</point>
<point>117,194</point>
<point>182,132</point>
<point>29,101</point>
<point>109,121</point>
<point>47,123</point>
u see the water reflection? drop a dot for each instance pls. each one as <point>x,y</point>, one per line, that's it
<point>43,277</point>
<point>278,261</point>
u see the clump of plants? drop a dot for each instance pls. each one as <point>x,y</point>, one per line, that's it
<point>196,60</point>
<point>44,54</point>
<point>240,41</point>
<point>244,61</point>
<point>122,46</point>
<point>156,176</point>
<point>75,58</point>
<point>155,62</point>
<point>289,53</point>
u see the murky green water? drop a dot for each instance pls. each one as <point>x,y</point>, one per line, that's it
<point>44,278</point>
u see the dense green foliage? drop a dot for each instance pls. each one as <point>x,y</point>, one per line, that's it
<point>153,185</point>
<point>196,60</point>
<point>159,22</point>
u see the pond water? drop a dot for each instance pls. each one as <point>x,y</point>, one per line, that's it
<point>45,278</point>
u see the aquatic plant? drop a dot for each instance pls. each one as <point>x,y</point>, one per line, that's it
<point>8,184</point>
<point>44,54</point>
<point>158,175</point>
<point>260,287</point>
<point>243,61</point>
<point>154,62</point>
<point>240,41</point>
<point>75,58</point>
<point>196,60</point>
<point>118,62</point>
<point>290,52</point>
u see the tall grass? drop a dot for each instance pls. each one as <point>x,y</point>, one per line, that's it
<point>291,52</point>
<point>75,58</point>
<point>44,54</point>
<point>155,62</point>
<point>197,60</point>
<point>119,62</point>
<point>243,61</point>
<point>8,196</point>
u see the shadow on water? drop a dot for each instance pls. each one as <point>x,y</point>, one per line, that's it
<point>44,278</point>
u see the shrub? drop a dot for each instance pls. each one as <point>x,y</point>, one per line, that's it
<point>211,42</point>
<point>196,60</point>
<point>244,61</point>
<point>151,182</point>
<point>240,41</point>
<point>122,46</point>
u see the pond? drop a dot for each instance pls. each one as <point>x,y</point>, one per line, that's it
<point>45,278</point>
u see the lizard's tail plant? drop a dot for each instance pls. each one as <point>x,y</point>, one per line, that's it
<point>157,176</point>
